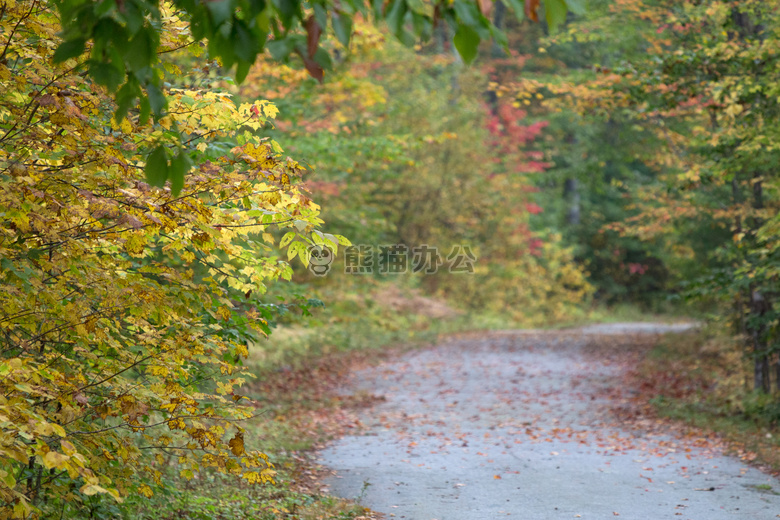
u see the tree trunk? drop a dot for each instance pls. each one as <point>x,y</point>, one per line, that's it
<point>758,307</point>
<point>571,195</point>
<point>777,372</point>
<point>498,20</point>
<point>761,301</point>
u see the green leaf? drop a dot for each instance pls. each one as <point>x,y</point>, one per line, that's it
<point>106,74</point>
<point>287,9</point>
<point>467,42</point>
<point>140,51</point>
<point>395,16</point>
<point>263,22</point>
<point>157,167</point>
<point>281,49</point>
<point>221,11</point>
<point>222,46</point>
<point>321,15</point>
<point>126,97</point>
<point>344,241</point>
<point>69,49</point>
<point>499,37</point>
<point>555,13</point>
<point>518,6</point>
<point>143,115</point>
<point>378,6</point>
<point>157,99</point>
<point>342,27</point>
<point>242,69</point>
<point>468,13</point>
<point>256,7</point>
<point>180,166</point>
<point>416,6</point>
<point>323,59</point>
<point>133,16</point>
<point>576,6</point>
<point>286,239</point>
<point>300,249</point>
<point>244,43</point>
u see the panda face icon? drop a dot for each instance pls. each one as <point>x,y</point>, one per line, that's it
<point>320,259</point>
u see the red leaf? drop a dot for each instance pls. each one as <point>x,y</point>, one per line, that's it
<point>313,68</point>
<point>313,33</point>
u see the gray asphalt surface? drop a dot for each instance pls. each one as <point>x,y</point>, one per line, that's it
<point>516,425</point>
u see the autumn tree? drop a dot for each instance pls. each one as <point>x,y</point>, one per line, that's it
<point>701,79</point>
<point>121,301</point>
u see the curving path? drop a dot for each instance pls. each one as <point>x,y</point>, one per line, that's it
<point>515,424</point>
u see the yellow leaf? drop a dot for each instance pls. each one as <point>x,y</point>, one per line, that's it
<point>67,447</point>
<point>269,109</point>
<point>224,313</point>
<point>237,444</point>
<point>7,479</point>
<point>54,459</point>
<point>135,244</point>
<point>93,489</point>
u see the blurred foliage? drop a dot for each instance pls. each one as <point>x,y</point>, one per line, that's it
<point>662,133</point>
<point>408,153</point>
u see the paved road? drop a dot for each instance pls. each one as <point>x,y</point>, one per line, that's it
<point>516,425</point>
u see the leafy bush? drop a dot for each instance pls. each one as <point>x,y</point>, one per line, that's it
<point>124,308</point>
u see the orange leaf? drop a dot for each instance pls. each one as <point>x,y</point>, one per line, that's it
<point>531,6</point>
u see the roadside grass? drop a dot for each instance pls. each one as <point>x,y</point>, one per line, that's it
<point>215,497</point>
<point>659,312</point>
<point>702,379</point>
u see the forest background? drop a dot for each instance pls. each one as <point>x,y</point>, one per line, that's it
<point>554,163</point>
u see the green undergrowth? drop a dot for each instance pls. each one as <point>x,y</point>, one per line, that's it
<point>215,497</point>
<point>702,379</point>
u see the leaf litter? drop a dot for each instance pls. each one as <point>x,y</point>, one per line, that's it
<point>530,423</point>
